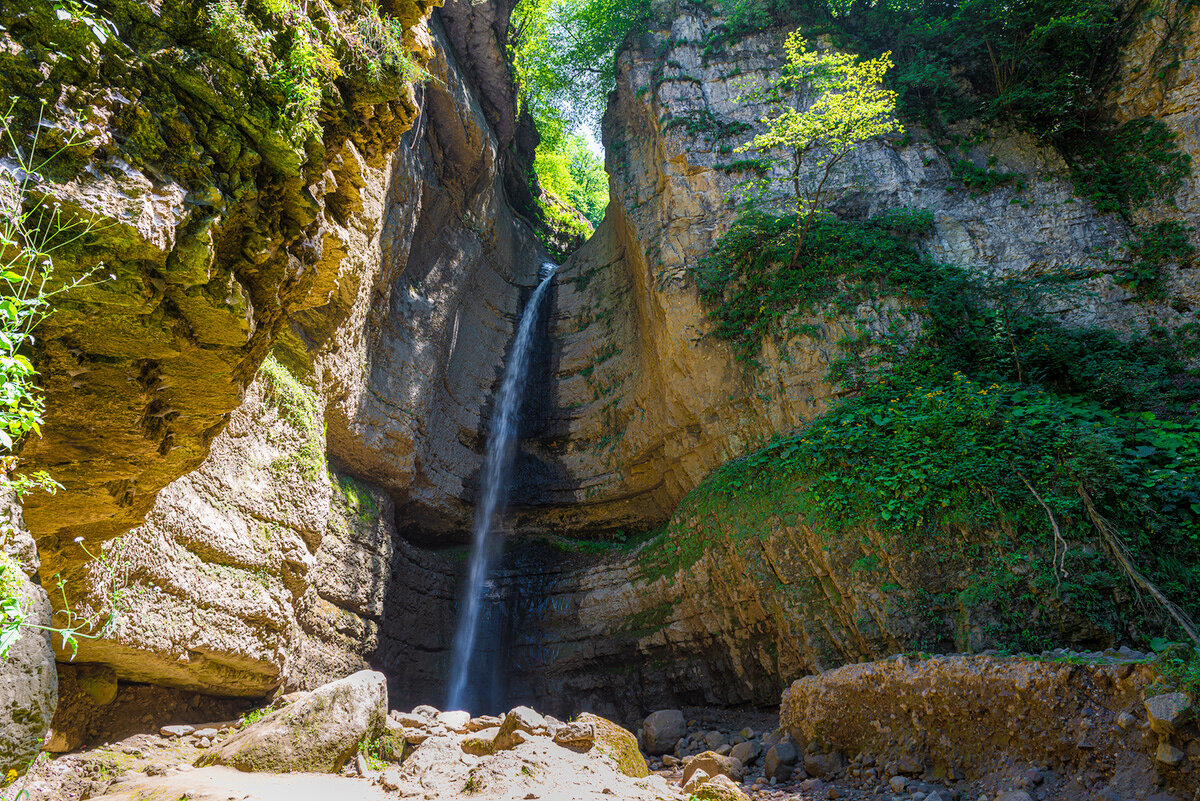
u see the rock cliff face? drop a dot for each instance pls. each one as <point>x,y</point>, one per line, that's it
<point>209,222</point>
<point>1160,79</point>
<point>645,405</point>
<point>262,569</point>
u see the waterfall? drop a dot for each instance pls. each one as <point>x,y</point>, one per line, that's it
<point>493,490</point>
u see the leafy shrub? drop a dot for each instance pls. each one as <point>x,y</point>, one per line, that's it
<point>754,290</point>
<point>1152,249</point>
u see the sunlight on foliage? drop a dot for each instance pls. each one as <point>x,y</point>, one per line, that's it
<point>823,106</point>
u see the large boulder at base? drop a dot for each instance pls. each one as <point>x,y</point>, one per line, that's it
<point>619,745</point>
<point>662,729</point>
<point>1067,713</point>
<point>318,733</point>
<point>28,679</point>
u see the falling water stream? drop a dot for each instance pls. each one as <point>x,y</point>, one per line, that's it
<point>493,490</point>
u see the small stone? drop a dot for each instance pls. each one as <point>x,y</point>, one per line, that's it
<point>1125,720</point>
<point>207,732</point>
<point>746,733</point>
<point>176,731</point>
<point>360,763</point>
<point>747,751</point>
<point>898,783</point>
<point>724,749</point>
<point>1014,795</point>
<point>1167,712</point>
<point>910,765</point>
<point>834,792</point>
<point>204,743</point>
<point>426,711</point>
<point>1168,754</point>
<point>670,761</point>
<point>694,780</point>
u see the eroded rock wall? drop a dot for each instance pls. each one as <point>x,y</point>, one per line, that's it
<point>208,223</point>
<point>646,404</point>
<point>278,562</point>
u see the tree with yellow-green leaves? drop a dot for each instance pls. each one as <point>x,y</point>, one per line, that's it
<point>823,105</point>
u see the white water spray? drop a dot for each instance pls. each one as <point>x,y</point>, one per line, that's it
<point>493,489</point>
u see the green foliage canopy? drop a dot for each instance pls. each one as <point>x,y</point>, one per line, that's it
<point>564,53</point>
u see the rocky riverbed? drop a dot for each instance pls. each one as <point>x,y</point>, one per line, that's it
<point>1060,727</point>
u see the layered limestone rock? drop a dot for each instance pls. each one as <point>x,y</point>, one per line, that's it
<point>1160,79</point>
<point>208,223</point>
<point>644,404</point>
<point>264,567</point>
<point>1085,724</point>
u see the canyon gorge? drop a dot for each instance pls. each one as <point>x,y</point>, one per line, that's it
<point>268,403</point>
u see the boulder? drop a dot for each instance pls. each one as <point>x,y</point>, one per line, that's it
<point>520,719</point>
<point>713,764</point>
<point>662,730</point>
<point>319,733</point>
<point>98,681</point>
<point>780,759</point>
<point>425,711</point>
<point>824,765</point>
<point>457,721</point>
<point>617,744</point>
<point>484,722</point>
<point>1168,711</point>
<point>411,721</point>
<point>692,782</point>
<point>1169,755</point>
<point>746,752</point>
<point>715,739</point>
<point>480,743</point>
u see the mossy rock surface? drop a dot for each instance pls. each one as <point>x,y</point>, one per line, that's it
<point>318,733</point>
<point>619,744</point>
